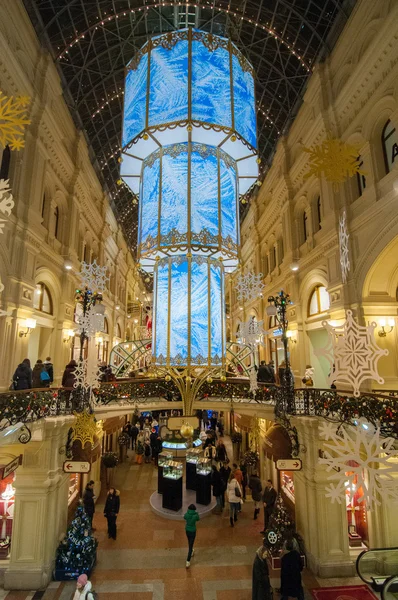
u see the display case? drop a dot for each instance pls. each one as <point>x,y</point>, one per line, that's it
<point>164,458</point>
<point>193,455</point>
<point>172,486</point>
<point>203,481</point>
<point>172,470</point>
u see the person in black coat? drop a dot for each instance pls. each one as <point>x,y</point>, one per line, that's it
<point>111,511</point>
<point>69,377</point>
<point>134,434</point>
<point>157,448</point>
<point>291,567</point>
<point>261,586</point>
<point>269,499</point>
<point>264,373</point>
<point>217,486</point>
<point>256,488</point>
<point>88,501</point>
<point>22,378</point>
<point>225,472</point>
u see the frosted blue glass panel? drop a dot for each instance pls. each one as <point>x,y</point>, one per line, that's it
<point>135,101</point>
<point>228,201</point>
<point>179,310</point>
<point>168,96</point>
<point>211,87</point>
<point>204,193</point>
<point>199,311</point>
<point>174,211</point>
<point>161,315</point>
<point>216,315</point>
<point>244,103</point>
<point>150,201</point>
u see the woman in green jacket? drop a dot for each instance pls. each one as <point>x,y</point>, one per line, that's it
<point>191,516</point>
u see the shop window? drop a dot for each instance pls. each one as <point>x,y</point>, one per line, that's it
<point>305,227</point>
<point>42,299</point>
<point>361,179</point>
<point>319,301</point>
<point>389,140</point>
<point>5,163</point>
<point>7,500</point>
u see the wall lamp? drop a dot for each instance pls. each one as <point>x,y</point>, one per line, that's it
<point>383,324</point>
<point>291,335</point>
<point>30,324</point>
<point>68,335</point>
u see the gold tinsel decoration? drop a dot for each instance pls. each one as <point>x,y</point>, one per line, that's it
<point>333,159</point>
<point>13,120</point>
<point>84,428</point>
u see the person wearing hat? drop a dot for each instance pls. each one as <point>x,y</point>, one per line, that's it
<point>83,589</point>
<point>261,585</point>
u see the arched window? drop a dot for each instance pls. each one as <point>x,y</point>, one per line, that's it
<point>55,221</point>
<point>42,299</point>
<point>389,140</point>
<point>118,331</point>
<point>305,230</point>
<point>272,322</point>
<point>106,325</point>
<point>319,301</point>
<point>5,163</point>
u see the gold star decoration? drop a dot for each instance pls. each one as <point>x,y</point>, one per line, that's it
<point>84,428</point>
<point>13,120</point>
<point>333,159</point>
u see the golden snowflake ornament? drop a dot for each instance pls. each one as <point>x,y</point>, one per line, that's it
<point>333,159</point>
<point>13,120</point>
<point>84,428</point>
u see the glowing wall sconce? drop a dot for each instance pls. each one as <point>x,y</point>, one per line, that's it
<point>100,340</point>
<point>294,266</point>
<point>68,335</point>
<point>292,336</point>
<point>29,324</point>
<point>384,323</point>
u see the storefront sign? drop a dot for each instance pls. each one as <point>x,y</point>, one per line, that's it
<point>6,470</point>
<point>71,466</point>
<point>175,423</point>
<point>291,464</point>
<point>277,332</point>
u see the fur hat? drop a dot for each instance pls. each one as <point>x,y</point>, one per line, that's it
<point>82,579</point>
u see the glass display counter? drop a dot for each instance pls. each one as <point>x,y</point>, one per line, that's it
<point>172,470</point>
<point>203,466</point>
<point>203,481</point>
<point>164,458</point>
<point>172,486</point>
<point>193,455</point>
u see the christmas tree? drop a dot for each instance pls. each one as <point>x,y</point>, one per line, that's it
<point>76,553</point>
<point>280,528</point>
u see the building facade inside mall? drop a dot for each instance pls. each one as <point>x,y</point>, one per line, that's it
<point>198,234</point>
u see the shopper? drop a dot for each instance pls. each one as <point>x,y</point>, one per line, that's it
<point>265,374</point>
<point>269,498</point>
<point>191,517</point>
<point>244,479</point>
<point>291,567</point>
<point>234,495</point>
<point>133,434</point>
<point>221,452</point>
<point>157,449</point>
<point>49,367</point>
<point>261,586</point>
<point>225,472</point>
<point>238,473</point>
<point>22,378</point>
<point>308,378</point>
<point>147,451</point>
<point>256,489</point>
<point>88,501</point>
<point>217,487</point>
<point>40,377</point>
<point>69,377</point>
<point>83,589</point>
<point>111,511</point>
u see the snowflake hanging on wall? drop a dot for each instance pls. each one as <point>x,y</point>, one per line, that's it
<point>93,276</point>
<point>87,374</point>
<point>251,332</point>
<point>375,460</point>
<point>352,353</point>
<point>6,201</point>
<point>91,322</point>
<point>13,120</point>
<point>249,286</point>
<point>333,159</point>
<point>344,250</point>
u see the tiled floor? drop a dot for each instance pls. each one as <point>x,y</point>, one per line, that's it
<point>147,562</point>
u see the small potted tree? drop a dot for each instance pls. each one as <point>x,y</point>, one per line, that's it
<point>109,460</point>
<point>236,439</point>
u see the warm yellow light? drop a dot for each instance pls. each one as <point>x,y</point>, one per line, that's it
<point>30,323</point>
<point>383,322</point>
<point>70,333</point>
<point>100,340</point>
<point>391,322</point>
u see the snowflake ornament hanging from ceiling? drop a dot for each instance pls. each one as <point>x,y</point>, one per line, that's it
<point>344,249</point>
<point>249,286</point>
<point>13,120</point>
<point>352,353</point>
<point>251,333</point>
<point>91,322</point>
<point>253,380</point>
<point>6,202</point>
<point>375,470</point>
<point>93,277</point>
<point>87,374</point>
<point>333,159</point>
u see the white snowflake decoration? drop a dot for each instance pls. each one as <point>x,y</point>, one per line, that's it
<point>352,353</point>
<point>93,276</point>
<point>87,374</point>
<point>6,201</point>
<point>376,459</point>
<point>251,332</point>
<point>344,249</point>
<point>253,380</point>
<point>91,322</point>
<point>3,313</point>
<point>249,286</point>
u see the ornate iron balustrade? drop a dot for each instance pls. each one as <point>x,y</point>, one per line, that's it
<point>137,391</point>
<point>238,390</point>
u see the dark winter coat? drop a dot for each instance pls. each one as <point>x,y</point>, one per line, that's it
<point>261,586</point>
<point>36,381</point>
<point>291,568</point>
<point>216,483</point>
<point>269,497</point>
<point>134,431</point>
<point>221,453</point>
<point>265,374</point>
<point>157,448</point>
<point>112,504</point>
<point>224,474</point>
<point>69,378</point>
<point>49,367</point>
<point>152,439</point>
<point>256,488</point>
<point>88,501</point>
<point>23,377</point>
<point>208,442</point>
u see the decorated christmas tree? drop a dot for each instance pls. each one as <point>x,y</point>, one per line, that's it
<point>76,553</point>
<point>280,527</point>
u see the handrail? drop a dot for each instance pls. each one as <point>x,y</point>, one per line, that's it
<point>371,581</point>
<point>393,580</point>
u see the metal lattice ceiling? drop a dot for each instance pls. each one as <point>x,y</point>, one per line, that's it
<point>92,41</point>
